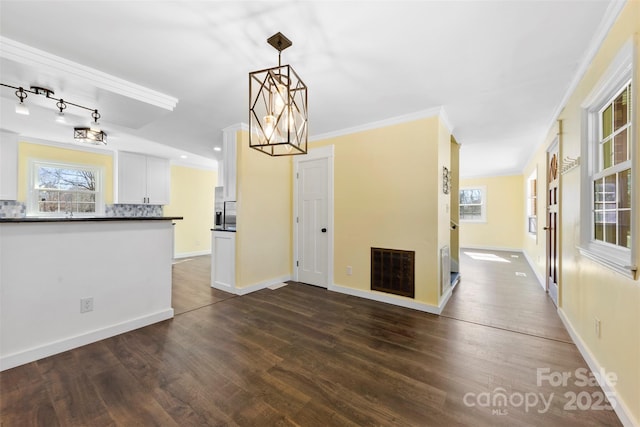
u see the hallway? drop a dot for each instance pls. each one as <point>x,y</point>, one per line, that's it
<point>499,289</point>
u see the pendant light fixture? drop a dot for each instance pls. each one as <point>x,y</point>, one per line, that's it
<point>278,115</point>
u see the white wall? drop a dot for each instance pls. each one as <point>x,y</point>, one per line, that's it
<point>47,267</point>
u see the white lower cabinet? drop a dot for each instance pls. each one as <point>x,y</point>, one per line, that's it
<point>223,260</point>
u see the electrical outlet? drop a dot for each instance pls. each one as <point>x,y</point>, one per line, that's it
<point>86,305</point>
<point>349,270</point>
<point>598,329</point>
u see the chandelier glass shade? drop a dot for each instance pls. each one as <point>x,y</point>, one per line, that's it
<point>278,114</point>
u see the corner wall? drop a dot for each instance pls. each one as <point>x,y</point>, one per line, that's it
<point>192,197</point>
<point>388,194</point>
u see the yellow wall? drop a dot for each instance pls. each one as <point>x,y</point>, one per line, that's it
<point>589,290</point>
<point>387,190</point>
<point>264,205</point>
<point>192,197</point>
<point>46,152</point>
<point>504,224</point>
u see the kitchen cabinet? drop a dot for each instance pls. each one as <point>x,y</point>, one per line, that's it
<point>143,179</point>
<point>229,168</point>
<point>8,166</point>
<point>223,260</point>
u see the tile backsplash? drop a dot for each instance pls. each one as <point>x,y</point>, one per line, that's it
<point>12,209</point>
<point>133,210</point>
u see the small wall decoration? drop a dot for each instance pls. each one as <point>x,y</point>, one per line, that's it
<point>445,180</point>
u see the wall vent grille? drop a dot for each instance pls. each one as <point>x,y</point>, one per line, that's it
<point>393,271</point>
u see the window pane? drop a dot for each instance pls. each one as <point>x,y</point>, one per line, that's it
<point>48,206</point>
<point>47,196</point>
<point>599,226</point>
<point>624,189</point>
<point>470,212</point>
<point>620,109</point>
<point>86,207</point>
<point>472,196</point>
<point>624,228</point>
<point>606,122</point>
<point>610,190</point>
<point>607,154</point>
<point>621,153</point>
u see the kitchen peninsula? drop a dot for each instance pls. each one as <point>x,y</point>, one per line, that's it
<point>67,282</point>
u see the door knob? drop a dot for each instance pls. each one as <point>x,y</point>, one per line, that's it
<point>324,230</point>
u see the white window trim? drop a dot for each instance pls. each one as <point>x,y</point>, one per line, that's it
<point>483,211</point>
<point>621,70</point>
<point>32,193</point>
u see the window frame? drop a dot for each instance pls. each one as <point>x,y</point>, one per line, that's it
<point>617,76</point>
<point>32,191</point>
<point>483,205</point>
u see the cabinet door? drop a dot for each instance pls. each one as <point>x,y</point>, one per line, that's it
<point>132,178</point>
<point>158,182</point>
<point>229,165</point>
<point>8,166</point>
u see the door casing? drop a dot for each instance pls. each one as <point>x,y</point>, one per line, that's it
<point>315,154</point>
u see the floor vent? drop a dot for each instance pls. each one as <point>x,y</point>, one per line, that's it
<point>393,271</point>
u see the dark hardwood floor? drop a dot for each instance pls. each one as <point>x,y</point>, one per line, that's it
<point>301,355</point>
<point>192,285</point>
<point>492,293</point>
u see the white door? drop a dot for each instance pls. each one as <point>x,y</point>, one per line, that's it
<point>553,256</point>
<point>313,222</point>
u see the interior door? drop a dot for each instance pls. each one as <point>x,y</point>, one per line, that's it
<point>553,195</point>
<point>313,221</point>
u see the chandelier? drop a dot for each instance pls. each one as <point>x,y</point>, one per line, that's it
<point>92,134</point>
<point>278,115</point>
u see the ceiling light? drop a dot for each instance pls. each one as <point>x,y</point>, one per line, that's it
<point>217,149</point>
<point>96,136</point>
<point>60,115</point>
<point>278,107</point>
<point>20,107</point>
<point>183,156</point>
<point>90,136</point>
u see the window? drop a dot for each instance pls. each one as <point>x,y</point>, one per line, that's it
<point>532,204</point>
<point>473,204</point>
<point>612,177</point>
<point>58,189</point>
<point>607,209</point>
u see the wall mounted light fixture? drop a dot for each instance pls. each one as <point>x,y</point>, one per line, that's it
<point>92,134</point>
<point>278,114</point>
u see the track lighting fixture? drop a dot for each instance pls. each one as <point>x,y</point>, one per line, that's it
<point>92,134</point>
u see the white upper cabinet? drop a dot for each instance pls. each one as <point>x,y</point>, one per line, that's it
<point>143,179</point>
<point>8,166</point>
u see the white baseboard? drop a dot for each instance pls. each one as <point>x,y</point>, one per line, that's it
<point>261,285</point>
<point>490,248</point>
<point>532,266</point>
<point>36,353</point>
<point>621,409</point>
<point>391,299</point>
<point>191,254</point>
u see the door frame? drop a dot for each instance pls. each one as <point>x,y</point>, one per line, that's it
<point>553,147</point>
<point>326,152</point>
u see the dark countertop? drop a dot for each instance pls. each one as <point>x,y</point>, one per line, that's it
<point>227,229</point>
<point>89,219</point>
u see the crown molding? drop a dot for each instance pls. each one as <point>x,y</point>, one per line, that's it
<point>236,127</point>
<point>30,56</point>
<point>609,18</point>
<point>422,114</point>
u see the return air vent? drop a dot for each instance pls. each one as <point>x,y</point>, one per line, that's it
<point>393,271</point>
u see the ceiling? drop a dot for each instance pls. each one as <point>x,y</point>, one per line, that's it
<point>499,69</point>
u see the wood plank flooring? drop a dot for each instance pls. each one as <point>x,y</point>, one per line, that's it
<point>192,285</point>
<point>301,355</point>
